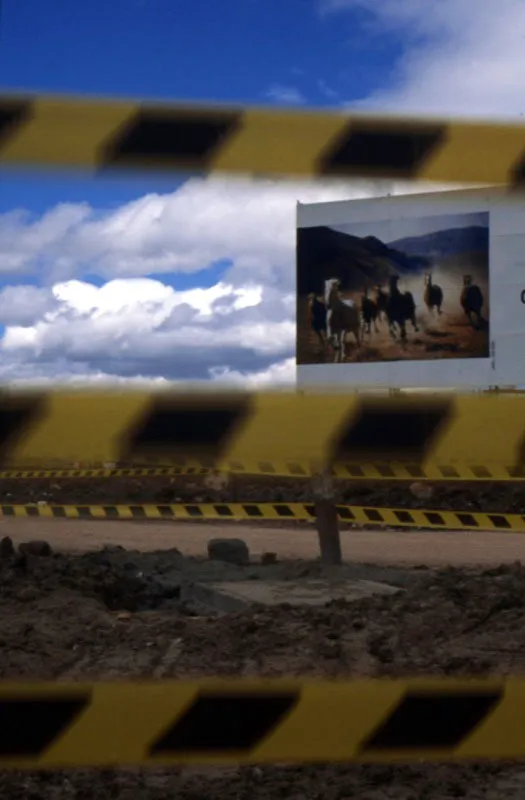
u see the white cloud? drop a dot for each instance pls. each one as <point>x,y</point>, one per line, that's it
<point>288,95</point>
<point>241,329</point>
<point>282,373</point>
<point>141,326</point>
<point>25,240</point>
<point>21,305</point>
<point>462,57</point>
<point>250,223</point>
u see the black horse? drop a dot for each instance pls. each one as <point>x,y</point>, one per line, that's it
<point>400,309</point>
<point>472,301</point>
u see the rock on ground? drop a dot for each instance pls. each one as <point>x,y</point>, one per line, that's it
<point>231,551</point>
<point>36,547</point>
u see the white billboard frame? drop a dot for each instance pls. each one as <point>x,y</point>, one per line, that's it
<point>504,365</point>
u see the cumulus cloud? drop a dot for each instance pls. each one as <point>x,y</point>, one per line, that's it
<point>250,223</point>
<point>280,374</point>
<point>143,327</point>
<point>461,57</point>
<point>240,329</point>
<point>22,305</point>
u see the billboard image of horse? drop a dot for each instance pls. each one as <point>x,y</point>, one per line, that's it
<point>407,289</point>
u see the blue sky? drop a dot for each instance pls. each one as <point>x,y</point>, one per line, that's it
<point>203,49</point>
<point>194,278</point>
<point>221,50</point>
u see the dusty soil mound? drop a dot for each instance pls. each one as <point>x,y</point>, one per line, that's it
<point>491,496</point>
<point>486,782</point>
<point>61,618</point>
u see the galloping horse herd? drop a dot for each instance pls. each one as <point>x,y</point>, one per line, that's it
<point>333,317</point>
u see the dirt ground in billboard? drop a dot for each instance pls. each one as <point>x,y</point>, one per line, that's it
<point>116,613</point>
<point>439,336</point>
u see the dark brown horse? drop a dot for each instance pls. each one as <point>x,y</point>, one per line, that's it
<point>472,301</point>
<point>433,294</point>
<point>400,309</point>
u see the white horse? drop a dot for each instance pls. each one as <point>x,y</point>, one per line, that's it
<point>342,318</point>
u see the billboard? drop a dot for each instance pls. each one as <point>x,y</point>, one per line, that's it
<point>415,290</point>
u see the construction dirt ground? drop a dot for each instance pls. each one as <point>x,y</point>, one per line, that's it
<point>142,600</point>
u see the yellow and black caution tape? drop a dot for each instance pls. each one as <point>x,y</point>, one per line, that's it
<point>103,472</point>
<point>260,721</point>
<point>355,515</point>
<point>99,134</point>
<point>288,469</point>
<point>485,432</point>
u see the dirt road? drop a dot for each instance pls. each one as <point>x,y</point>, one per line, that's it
<point>433,548</point>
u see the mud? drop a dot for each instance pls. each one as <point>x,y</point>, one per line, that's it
<point>61,618</point>
<point>463,496</point>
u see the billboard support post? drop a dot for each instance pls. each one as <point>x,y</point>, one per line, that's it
<point>327,521</point>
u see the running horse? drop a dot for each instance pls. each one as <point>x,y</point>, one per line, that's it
<point>342,318</point>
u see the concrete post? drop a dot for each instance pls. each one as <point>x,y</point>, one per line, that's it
<point>327,523</point>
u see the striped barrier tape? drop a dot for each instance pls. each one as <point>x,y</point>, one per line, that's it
<point>287,469</point>
<point>237,428</point>
<point>102,134</point>
<point>50,726</point>
<point>101,472</point>
<point>355,515</point>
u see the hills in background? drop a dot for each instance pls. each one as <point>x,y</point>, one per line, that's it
<point>324,253</point>
<point>441,244</point>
